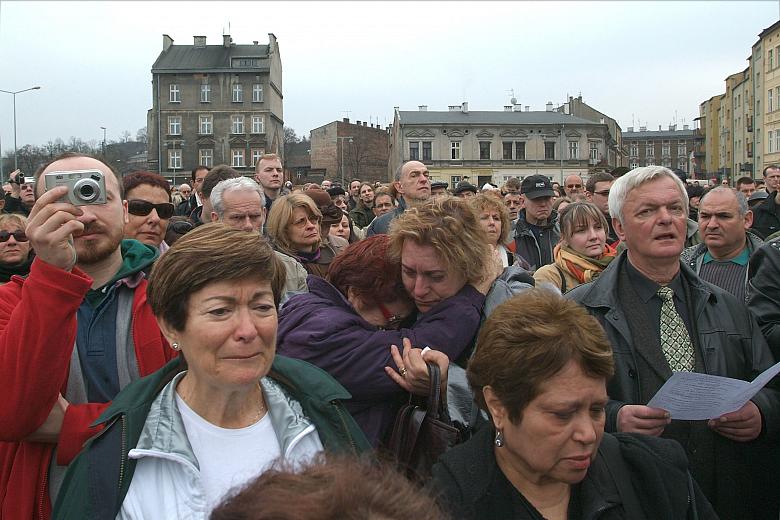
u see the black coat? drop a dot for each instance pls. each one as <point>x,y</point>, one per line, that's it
<point>729,343</point>
<point>765,217</point>
<point>632,476</point>
<point>764,292</point>
<point>536,251</point>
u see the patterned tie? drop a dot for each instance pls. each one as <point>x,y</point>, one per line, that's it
<point>675,342</point>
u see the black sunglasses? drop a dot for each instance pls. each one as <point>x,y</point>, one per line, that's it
<point>141,208</point>
<point>19,236</point>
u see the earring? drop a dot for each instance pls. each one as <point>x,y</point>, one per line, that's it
<point>175,346</point>
<point>499,442</point>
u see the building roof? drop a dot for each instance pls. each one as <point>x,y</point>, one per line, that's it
<point>495,117</point>
<point>655,134</point>
<point>769,29</point>
<point>181,58</point>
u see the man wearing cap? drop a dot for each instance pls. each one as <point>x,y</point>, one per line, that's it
<point>465,190</point>
<point>766,219</point>
<point>536,231</point>
<point>412,182</point>
<point>439,188</point>
<point>756,198</point>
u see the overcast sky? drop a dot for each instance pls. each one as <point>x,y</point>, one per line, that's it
<point>639,62</point>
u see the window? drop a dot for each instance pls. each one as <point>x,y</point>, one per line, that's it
<point>682,164</point>
<point>507,146</point>
<point>682,149</point>
<point>777,98</point>
<point>769,103</point>
<point>206,157</point>
<point>666,149</point>
<point>455,150</point>
<point>174,93</point>
<point>206,124</point>
<point>257,153</point>
<point>667,162</point>
<point>237,124</point>
<point>649,150</point>
<point>454,179</point>
<point>257,93</point>
<point>549,150</point>
<point>258,125</point>
<point>770,143</point>
<point>777,140</point>
<point>205,94</point>
<point>520,150</point>
<point>426,147</point>
<point>414,151</point>
<point>174,125</point>
<point>594,151</point>
<point>484,150</point>
<point>574,149</point>
<point>634,150</point>
<point>174,159</point>
<point>634,163</point>
<point>771,61</point>
<point>238,93</point>
<point>237,160</point>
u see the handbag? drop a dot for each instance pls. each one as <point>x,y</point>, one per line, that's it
<point>422,432</point>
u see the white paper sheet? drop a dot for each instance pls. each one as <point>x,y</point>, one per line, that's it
<point>691,396</point>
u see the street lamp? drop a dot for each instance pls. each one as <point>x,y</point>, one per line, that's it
<point>104,140</point>
<point>14,93</point>
<point>342,156</point>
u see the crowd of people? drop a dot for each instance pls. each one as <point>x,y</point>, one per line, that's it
<point>240,347</point>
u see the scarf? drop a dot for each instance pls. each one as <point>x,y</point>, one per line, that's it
<point>307,258</point>
<point>582,267</point>
<point>22,269</point>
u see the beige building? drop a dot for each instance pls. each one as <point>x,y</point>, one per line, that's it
<point>709,126</point>
<point>767,133</point>
<point>741,122</point>
<point>494,146</point>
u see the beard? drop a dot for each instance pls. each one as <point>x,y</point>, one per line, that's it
<point>93,251</point>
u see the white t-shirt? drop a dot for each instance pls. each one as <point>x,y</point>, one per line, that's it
<point>228,457</point>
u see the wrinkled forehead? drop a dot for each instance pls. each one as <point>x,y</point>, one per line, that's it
<point>412,169</point>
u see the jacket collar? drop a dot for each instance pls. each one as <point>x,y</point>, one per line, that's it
<point>522,225</point>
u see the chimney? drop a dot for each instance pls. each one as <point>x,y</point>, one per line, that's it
<point>255,42</point>
<point>345,120</point>
<point>507,108</point>
<point>271,43</point>
<point>465,107</point>
<point>365,123</point>
<point>358,123</point>
<point>226,41</point>
<point>659,128</point>
<point>643,129</point>
<point>167,42</point>
<point>527,108</point>
<point>453,108</point>
<point>672,128</point>
<point>630,129</point>
<point>686,127</point>
<point>549,106</point>
<point>199,42</point>
<point>422,108</point>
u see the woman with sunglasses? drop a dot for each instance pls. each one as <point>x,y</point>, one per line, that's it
<point>149,206</point>
<point>15,252</point>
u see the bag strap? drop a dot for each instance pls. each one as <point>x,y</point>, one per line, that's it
<point>434,390</point>
<point>563,278</point>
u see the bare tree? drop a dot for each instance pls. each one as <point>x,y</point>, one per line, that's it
<point>141,136</point>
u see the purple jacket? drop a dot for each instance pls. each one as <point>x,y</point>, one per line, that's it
<point>321,327</point>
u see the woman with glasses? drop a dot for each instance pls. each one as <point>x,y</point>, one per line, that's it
<point>149,206</point>
<point>15,252</point>
<point>369,302</point>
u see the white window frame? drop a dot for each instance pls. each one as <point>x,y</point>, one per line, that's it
<point>650,150</point>
<point>770,142</point>
<point>237,156</point>
<point>238,93</point>
<point>206,157</point>
<point>174,94</point>
<point>205,93</point>
<point>455,154</point>
<point>205,124</point>
<point>593,153</point>
<point>769,104</point>
<point>574,149</point>
<point>257,153</point>
<point>634,163</point>
<point>777,140</point>
<point>174,125</point>
<point>682,149</point>
<point>257,93</point>
<point>634,150</point>
<point>174,159</point>
<point>237,124</point>
<point>666,149</point>
<point>258,124</point>
<point>682,164</point>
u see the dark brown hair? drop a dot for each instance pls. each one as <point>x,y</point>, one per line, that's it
<point>529,339</point>
<point>217,174</point>
<point>136,179</point>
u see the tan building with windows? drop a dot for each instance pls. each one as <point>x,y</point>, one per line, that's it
<point>767,67</point>
<point>494,146</point>
<point>214,104</point>
<point>741,125</point>
<point>709,127</point>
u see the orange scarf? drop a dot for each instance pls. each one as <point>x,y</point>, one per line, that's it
<point>582,267</point>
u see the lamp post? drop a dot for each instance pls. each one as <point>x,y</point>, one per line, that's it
<point>14,93</point>
<point>342,156</point>
<point>104,140</point>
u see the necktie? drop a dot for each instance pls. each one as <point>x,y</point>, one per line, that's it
<point>675,342</point>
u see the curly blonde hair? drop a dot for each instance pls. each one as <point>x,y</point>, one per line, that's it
<point>281,215</point>
<point>485,202</point>
<point>451,227</point>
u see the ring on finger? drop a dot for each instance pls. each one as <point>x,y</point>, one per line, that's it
<point>402,371</point>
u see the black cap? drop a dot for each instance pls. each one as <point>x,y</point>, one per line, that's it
<point>465,186</point>
<point>335,191</point>
<point>439,184</point>
<point>535,186</point>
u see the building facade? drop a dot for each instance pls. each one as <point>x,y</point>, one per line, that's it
<point>214,104</point>
<point>709,127</point>
<point>494,146</point>
<point>616,155</point>
<point>347,151</point>
<point>767,133</point>
<point>671,148</point>
<point>741,126</point>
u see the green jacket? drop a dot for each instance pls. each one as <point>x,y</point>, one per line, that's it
<point>98,479</point>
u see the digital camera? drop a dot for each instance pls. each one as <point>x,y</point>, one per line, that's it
<point>85,187</point>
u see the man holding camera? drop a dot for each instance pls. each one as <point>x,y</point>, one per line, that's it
<point>22,195</point>
<point>73,333</point>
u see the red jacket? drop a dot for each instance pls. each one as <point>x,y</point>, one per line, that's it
<point>37,335</point>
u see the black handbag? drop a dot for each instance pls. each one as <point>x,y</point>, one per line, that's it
<point>422,432</point>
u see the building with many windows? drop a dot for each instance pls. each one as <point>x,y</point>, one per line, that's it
<point>493,146</point>
<point>766,56</point>
<point>671,148</point>
<point>214,104</point>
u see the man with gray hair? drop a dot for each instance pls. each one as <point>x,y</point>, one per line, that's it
<point>661,318</point>
<point>412,182</point>
<point>724,223</point>
<point>239,203</point>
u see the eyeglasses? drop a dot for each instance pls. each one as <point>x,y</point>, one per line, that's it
<point>392,321</point>
<point>19,236</point>
<point>572,186</point>
<point>141,208</point>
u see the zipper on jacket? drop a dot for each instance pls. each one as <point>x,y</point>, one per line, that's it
<point>41,497</point>
<point>335,404</point>
<point>123,452</point>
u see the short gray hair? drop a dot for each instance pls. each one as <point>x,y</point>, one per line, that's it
<point>234,184</point>
<point>742,202</point>
<point>624,185</point>
<point>182,186</point>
